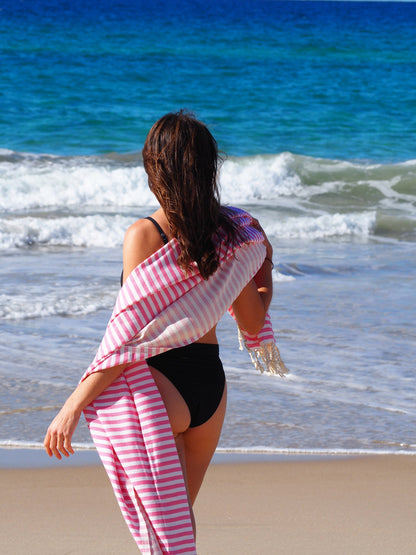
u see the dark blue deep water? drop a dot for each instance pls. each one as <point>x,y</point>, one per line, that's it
<point>323,79</point>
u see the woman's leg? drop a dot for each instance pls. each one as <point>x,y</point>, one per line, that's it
<point>200,444</point>
<point>181,453</point>
<point>180,418</point>
<point>196,446</point>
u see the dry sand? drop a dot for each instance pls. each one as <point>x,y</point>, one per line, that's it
<point>329,506</point>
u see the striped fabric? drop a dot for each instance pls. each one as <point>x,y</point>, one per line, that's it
<point>159,308</point>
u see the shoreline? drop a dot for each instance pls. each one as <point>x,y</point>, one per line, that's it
<point>12,457</point>
<point>331,506</point>
<point>33,458</point>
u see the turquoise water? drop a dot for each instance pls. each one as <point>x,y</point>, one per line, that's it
<point>323,79</point>
<point>314,105</point>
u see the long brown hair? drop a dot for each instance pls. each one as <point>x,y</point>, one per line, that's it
<point>180,157</point>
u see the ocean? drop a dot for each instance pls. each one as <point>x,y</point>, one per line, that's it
<point>313,106</point>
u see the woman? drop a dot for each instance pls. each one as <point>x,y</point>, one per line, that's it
<point>180,157</point>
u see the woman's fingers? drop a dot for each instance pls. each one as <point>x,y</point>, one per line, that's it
<point>68,447</point>
<point>59,435</point>
<point>56,452</point>
<point>55,444</point>
<point>47,444</point>
<point>51,444</point>
<point>61,447</point>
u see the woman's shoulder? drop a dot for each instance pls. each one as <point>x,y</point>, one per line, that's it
<point>141,240</point>
<point>143,229</point>
<point>141,233</point>
<point>137,228</point>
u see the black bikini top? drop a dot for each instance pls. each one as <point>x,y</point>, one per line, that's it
<point>162,234</point>
<point>160,230</point>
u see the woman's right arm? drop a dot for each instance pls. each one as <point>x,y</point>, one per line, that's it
<point>138,245</point>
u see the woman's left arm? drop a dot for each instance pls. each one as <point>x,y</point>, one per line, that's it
<point>251,306</point>
<point>59,435</point>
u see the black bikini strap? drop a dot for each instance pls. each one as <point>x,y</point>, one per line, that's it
<point>160,230</point>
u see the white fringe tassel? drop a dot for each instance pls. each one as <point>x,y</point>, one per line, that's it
<point>265,358</point>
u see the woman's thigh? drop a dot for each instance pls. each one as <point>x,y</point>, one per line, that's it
<point>197,444</point>
<point>200,444</point>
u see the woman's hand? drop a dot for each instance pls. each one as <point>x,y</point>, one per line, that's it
<point>59,435</point>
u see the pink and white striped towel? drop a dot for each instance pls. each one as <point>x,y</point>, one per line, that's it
<point>161,307</point>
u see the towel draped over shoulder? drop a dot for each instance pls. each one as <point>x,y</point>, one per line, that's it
<point>161,307</point>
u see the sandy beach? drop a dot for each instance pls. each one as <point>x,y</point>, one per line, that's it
<point>363,505</point>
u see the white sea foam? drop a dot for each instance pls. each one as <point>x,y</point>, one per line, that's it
<point>90,201</point>
<point>103,230</point>
<point>72,302</point>
<point>55,182</point>
<point>279,277</point>
<point>72,231</point>
<point>328,225</point>
<point>63,184</point>
<point>25,308</point>
<point>259,178</point>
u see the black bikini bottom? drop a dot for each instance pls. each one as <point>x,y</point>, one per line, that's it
<point>197,373</point>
